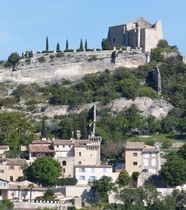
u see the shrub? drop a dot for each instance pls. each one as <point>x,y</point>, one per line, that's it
<point>67,181</point>
<point>92,58</point>
<point>42,59</point>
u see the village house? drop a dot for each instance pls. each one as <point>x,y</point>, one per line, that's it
<point>142,158</point>
<point>11,168</point>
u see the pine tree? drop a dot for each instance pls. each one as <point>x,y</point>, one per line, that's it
<point>58,47</point>
<point>66,45</point>
<point>81,46</point>
<point>86,45</point>
<point>47,45</point>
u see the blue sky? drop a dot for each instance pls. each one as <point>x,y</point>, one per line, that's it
<point>24,25</point>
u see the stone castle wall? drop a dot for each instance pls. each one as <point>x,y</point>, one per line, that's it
<point>137,34</point>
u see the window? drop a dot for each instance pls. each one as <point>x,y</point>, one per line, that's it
<point>64,163</point>
<point>79,153</point>
<point>135,154</point>
<point>1,171</point>
<point>153,154</point>
<point>104,170</point>
<point>92,170</point>
<point>79,162</point>
<point>135,163</point>
<point>146,155</point>
<point>82,178</point>
<point>81,169</point>
<point>11,167</point>
<point>153,163</point>
<point>114,39</point>
<point>64,170</point>
<point>11,178</point>
<point>145,162</point>
<point>92,178</point>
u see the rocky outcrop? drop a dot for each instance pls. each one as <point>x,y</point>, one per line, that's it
<point>72,66</point>
<point>158,108</point>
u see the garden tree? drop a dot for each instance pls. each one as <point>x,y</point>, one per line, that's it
<point>135,176</point>
<point>86,45</point>
<point>174,171</point>
<point>49,194</point>
<point>44,170</point>
<point>81,48</point>
<point>47,45</point>
<point>13,59</point>
<point>123,178</point>
<point>110,149</point>
<point>58,47</point>
<point>141,196</point>
<point>16,129</point>
<point>102,188</point>
<point>66,48</point>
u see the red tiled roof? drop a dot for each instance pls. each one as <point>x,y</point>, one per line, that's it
<point>40,149</point>
<point>140,146</point>
<point>16,161</point>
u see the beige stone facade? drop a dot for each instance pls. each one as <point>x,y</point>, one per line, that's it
<point>141,158</point>
<point>68,152</point>
<point>136,34</point>
<point>11,168</point>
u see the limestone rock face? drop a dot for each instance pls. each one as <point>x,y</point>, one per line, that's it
<point>71,66</point>
<point>146,106</point>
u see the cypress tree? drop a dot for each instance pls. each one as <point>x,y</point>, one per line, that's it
<point>81,46</point>
<point>47,45</point>
<point>43,128</point>
<point>58,47</point>
<point>66,45</point>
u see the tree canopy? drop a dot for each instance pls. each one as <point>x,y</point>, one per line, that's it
<point>44,170</point>
<point>13,59</point>
<point>16,129</point>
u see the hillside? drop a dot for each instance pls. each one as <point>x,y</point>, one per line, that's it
<point>54,67</point>
<point>57,91</point>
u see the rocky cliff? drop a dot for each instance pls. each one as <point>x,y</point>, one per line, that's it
<point>71,66</point>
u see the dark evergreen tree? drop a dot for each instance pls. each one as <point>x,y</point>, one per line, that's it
<point>81,46</point>
<point>47,45</point>
<point>66,45</point>
<point>43,128</point>
<point>58,47</point>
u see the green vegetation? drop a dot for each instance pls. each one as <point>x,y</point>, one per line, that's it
<point>173,171</point>
<point>44,170</point>
<point>47,45</point>
<point>67,181</point>
<point>16,129</point>
<point>12,61</point>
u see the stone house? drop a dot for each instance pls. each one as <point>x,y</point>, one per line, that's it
<point>141,158</point>
<point>68,152</point>
<point>11,168</point>
<point>136,34</point>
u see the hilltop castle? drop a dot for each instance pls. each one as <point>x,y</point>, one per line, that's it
<point>137,34</point>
